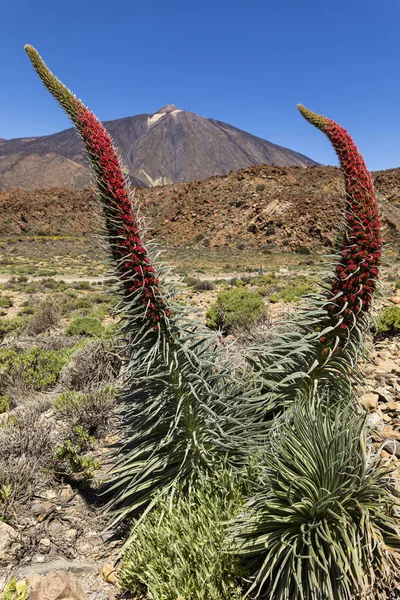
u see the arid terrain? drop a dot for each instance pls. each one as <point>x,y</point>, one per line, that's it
<point>263,229</point>
<point>59,343</point>
<point>263,207</point>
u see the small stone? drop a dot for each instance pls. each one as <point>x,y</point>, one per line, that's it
<point>55,528</point>
<point>44,544</point>
<point>108,574</point>
<point>384,394</point>
<point>392,406</point>
<point>33,579</point>
<point>395,299</point>
<point>385,454</point>
<point>71,534</point>
<point>58,585</point>
<point>386,418</point>
<point>388,366</point>
<point>369,400</point>
<point>50,494</point>
<point>392,447</point>
<point>66,492</point>
<point>389,433</point>
<point>375,422</point>
<point>40,508</point>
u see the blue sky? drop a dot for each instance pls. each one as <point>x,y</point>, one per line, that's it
<point>246,63</point>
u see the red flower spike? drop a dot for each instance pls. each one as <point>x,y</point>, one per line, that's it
<point>360,254</point>
<point>128,252</point>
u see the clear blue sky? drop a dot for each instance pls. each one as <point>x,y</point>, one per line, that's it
<point>247,63</point>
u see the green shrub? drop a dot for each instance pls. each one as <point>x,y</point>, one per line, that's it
<point>4,404</point>
<point>6,302</point>
<point>295,290</point>
<point>90,410</point>
<point>9,325</point>
<point>179,550</point>
<point>389,320</point>
<point>81,285</point>
<point>323,524</point>
<point>236,307</point>
<point>83,464</point>
<point>274,298</point>
<point>36,368</point>
<point>15,590</point>
<point>89,326</point>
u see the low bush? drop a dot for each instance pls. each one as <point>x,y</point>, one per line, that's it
<point>91,410</point>
<point>46,317</point>
<point>35,368</point>
<point>26,456</point>
<point>72,453</point>
<point>4,404</point>
<point>6,302</point>
<point>236,308</point>
<point>295,290</point>
<point>93,365</point>
<point>179,550</point>
<point>81,285</point>
<point>9,325</point>
<point>389,320</point>
<point>88,326</point>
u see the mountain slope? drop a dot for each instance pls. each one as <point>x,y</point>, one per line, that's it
<point>168,146</point>
<point>265,207</point>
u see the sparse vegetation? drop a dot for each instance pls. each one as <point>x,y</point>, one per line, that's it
<point>34,369</point>
<point>389,320</point>
<point>85,326</point>
<point>15,590</point>
<point>90,410</point>
<point>235,308</point>
<point>180,550</point>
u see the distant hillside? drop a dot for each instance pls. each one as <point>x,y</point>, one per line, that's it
<point>270,208</point>
<point>168,146</point>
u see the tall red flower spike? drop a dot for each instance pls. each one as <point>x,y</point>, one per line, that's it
<point>354,283</point>
<point>133,264</point>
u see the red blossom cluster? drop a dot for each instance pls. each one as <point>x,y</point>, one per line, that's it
<point>358,266</point>
<point>131,256</point>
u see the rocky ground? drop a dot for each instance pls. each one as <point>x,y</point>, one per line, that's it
<point>263,207</point>
<point>59,547</point>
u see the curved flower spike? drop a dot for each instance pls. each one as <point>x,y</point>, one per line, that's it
<point>350,295</point>
<point>133,264</point>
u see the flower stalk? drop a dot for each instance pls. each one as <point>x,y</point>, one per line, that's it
<point>128,251</point>
<point>357,270</point>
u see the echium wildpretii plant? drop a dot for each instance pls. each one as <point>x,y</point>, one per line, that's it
<point>323,524</point>
<point>328,334</point>
<point>175,416</point>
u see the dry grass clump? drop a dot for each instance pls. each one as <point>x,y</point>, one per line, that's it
<point>91,410</point>
<point>47,317</point>
<point>92,366</point>
<point>26,453</point>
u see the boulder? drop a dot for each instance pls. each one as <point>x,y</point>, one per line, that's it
<point>8,543</point>
<point>57,585</point>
